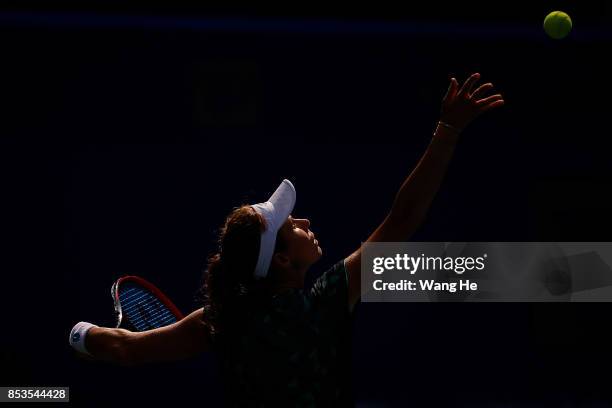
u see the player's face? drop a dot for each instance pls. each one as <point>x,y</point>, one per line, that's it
<point>302,246</point>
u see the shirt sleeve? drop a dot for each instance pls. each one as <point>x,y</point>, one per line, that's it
<point>330,290</point>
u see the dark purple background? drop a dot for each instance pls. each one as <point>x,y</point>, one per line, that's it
<point>129,134</point>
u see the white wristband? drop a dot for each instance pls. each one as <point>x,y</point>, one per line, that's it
<point>77,336</point>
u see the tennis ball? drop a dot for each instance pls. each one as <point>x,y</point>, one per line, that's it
<point>557,25</point>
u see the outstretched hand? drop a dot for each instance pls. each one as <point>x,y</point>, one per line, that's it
<point>461,106</point>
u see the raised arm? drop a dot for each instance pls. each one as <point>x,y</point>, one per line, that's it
<point>183,339</point>
<point>460,106</point>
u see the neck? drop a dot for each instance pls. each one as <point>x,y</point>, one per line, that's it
<point>288,279</point>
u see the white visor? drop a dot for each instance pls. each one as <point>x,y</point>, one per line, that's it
<point>275,211</point>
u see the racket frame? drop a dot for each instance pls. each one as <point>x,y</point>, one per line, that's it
<point>147,285</point>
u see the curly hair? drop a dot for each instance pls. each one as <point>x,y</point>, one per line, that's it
<point>230,289</point>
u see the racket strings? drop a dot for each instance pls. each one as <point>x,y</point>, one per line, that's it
<point>143,309</point>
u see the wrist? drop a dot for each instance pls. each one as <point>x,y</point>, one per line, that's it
<point>449,126</point>
<point>78,335</point>
<point>445,136</point>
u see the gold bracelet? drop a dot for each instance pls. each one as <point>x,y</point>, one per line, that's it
<point>449,126</point>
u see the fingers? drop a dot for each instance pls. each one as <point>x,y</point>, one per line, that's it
<point>469,84</point>
<point>489,100</point>
<point>452,90</point>
<point>481,89</point>
<point>497,103</point>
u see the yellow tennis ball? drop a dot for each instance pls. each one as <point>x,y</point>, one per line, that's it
<point>557,25</point>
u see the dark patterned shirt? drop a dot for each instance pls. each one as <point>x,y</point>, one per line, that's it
<point>295,350</point>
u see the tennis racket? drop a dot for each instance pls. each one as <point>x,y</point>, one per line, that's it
<point>140,305</point>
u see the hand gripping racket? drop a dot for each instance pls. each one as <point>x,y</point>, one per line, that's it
<point>140,305</point>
